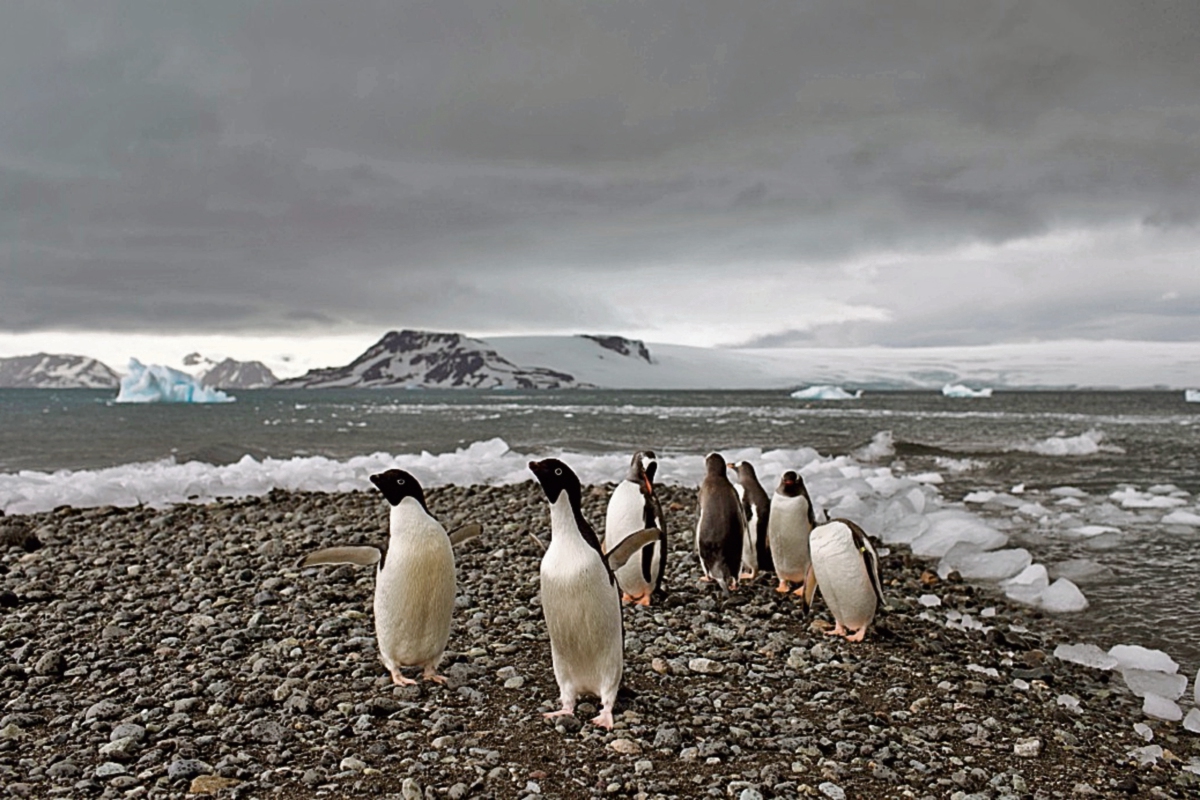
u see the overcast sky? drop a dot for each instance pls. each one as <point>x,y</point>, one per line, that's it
<point>714,173</point>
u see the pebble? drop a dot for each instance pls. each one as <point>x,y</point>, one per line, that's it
<point>1028,748</point>
<point>706,666</point>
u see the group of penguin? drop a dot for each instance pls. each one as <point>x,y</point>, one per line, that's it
<point>585,580</point>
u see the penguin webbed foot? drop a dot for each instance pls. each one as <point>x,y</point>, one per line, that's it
<point>431,675</point>
<point>859,636</point>
<point>838,630</point>
<point>565,711</point>
<point>644,600</point>
<point>400,680</point>
<point>784,587</point>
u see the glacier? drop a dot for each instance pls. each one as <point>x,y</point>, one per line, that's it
<point>957,390</point>
<point>155,383</point>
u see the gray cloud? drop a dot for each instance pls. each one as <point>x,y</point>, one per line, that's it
<point>299,165</point>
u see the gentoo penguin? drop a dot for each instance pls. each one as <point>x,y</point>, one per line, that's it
<point>792,520</point>
<point>846,568</point>
<point>580,598</point>
<point>721,528</point>
<point>633,507</point>
<point>756,552</point>
<point>414,578</point>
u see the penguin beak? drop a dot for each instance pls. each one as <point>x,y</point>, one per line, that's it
<point>649,486</point>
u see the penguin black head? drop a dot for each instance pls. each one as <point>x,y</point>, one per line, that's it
<point>396,484</point>
<point>714,464</point>
<point>744,469</point>
<point>555,478</point>
<point>642,468</point>
<point>790,484</point>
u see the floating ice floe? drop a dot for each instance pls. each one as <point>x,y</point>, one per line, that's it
<point>974,564</point>
<point>1134,656</point>
<point>1182,518</point>
<point>825,392</point>
<point>1085,444</point>
<point>1130,497</point>
<point>155,383</point>
<point>1158,707</point>
<point>1063,597</point>
<point>958,390</point>
<point>1088,655</point>
<point>1079,569</point>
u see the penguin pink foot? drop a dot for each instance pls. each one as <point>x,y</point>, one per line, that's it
<point>565,711</point>
<point>431,675</point>
<point>784,587</point>
<point>644,600</point>
<point>858,637</point>
<point>604,719</point>
<point>838,630</point>
<point>400,680</point>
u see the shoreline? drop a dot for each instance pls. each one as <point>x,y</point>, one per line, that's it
<point>190,631</point>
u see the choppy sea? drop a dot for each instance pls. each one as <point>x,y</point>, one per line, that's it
<point>1102,488</point>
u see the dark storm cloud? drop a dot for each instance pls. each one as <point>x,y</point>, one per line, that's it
<point>289,165</point>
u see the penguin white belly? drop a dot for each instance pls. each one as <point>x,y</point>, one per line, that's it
<point>414,597</point>
<point>787,533</point>
<point>626,515</point>
<point>749,546</point>
<point>842,575</point>
<point>583,618</point>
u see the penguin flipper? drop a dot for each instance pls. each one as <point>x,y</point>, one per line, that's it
<point>363,556</point>
<point>810,586</point>
<point>465,534</point>
<point>870,558</point>
<point>630,545</point>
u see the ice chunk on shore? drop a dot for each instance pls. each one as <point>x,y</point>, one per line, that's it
<point>1182,518</point>
<point>1088,655</point>
<point>1147,681</point>
<point>929,600</point>
<point>155,383</point>
<point>1028,585</point>
<point>825,392</point>
<point>974,564</point>
<point>1192,721</point>
<point>881,446</point>
<point>1191,395</point>
<point>1134,656</point>
<point>1063,597</point>
<point>958,390</point>
<point>1158,707</point>
<point>949,527</point>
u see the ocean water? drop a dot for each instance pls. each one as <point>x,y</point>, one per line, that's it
<point>1102,487</point>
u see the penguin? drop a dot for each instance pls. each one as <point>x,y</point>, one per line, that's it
<point>721,528</point>
<point>756,552</point>
<point>633,507</point>
<point>846,568</point>
<point>414,578</point>
<point>792,520</point>
<point>580,598</point>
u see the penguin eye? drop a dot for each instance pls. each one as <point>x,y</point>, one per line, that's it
<point>558,471</point>
<point>399,481</point>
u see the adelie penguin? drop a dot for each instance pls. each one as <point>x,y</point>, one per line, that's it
<point>792,520</point>
<point>580,598</point>
<point>634,507</point>
<point>414,578</point>
<point>756,552</point>
<point>846,568</point>
<point>721,528</point>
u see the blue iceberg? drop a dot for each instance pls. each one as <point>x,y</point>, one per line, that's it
<point>824,392</point>
<point>158,384</point>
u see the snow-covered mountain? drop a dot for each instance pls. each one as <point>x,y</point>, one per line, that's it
<point>230,374</point>
<point>432,360</point>
<point>46,371</point>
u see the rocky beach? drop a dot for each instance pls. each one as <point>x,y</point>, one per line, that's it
<point>180,651</point>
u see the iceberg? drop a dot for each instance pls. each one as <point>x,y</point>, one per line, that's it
<point>825,392</point>
<point>1191,395</point>
<point>158,384</point>
<point>958,390</point>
